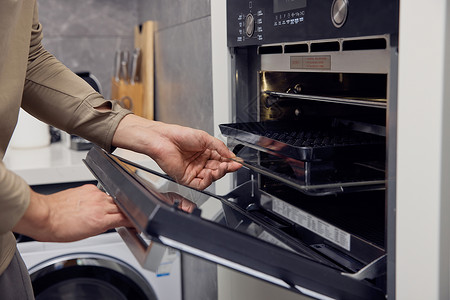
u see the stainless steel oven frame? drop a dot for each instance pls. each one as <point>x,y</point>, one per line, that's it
<point>245,86</point>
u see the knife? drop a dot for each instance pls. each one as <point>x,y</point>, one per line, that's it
<point>123,71</point>
<point>124,66</point>
<point>134,65</point>
<point>117,60</point>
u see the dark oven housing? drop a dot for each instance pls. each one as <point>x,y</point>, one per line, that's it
<point>312,103</point>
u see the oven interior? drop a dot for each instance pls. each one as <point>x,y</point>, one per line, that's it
<point>313,146</point>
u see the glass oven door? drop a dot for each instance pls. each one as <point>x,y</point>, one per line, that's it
<point>215,228</point>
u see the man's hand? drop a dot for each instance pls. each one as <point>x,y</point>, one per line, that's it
<point>70,215</point>
<point>191,157</point>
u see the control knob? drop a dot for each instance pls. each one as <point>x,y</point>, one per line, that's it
<point>339,12</point>
<point>249,25</point>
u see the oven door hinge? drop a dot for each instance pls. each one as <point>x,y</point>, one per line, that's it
<point>371,271</point>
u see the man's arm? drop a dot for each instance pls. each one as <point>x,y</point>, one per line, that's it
<point>57,96</point>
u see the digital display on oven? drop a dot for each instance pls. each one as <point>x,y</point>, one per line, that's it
<point>285,5</point>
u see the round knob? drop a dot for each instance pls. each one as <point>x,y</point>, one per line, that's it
<point>249,25</point>
<point>339,12</point>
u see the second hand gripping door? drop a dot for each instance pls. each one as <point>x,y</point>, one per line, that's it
<point>232,230</point>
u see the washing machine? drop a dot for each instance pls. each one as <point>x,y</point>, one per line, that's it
<point>100,267</point>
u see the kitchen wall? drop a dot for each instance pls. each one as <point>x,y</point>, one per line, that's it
<point>183,95</point>
<point>183,83</point>
<point>84,34</point>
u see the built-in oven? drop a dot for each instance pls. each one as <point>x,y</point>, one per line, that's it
<point>314,86</point>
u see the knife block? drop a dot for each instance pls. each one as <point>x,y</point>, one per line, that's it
<point>129,95</point>
<point>139,96</point>
<point>144,38</point>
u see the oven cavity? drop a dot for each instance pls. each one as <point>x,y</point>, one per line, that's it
<point>312,137</point>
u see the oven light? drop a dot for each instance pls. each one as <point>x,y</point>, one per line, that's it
<point>264,81</point>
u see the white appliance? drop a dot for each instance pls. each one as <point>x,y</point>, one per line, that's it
<point>30,132</point>
<point>100,267</point>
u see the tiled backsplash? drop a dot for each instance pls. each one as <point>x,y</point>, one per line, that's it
<point>183,71</point>
<point>84,34</point>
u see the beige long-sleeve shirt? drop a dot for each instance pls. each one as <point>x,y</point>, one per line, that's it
<point>33,79</point>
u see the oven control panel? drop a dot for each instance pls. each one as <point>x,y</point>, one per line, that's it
<point>257,22</point>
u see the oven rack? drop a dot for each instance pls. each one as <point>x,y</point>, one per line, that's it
<point>325,160</point>
<point>326,183</point>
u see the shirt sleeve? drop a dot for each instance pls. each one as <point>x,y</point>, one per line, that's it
<point>57,96</point>
<point>15,197</point>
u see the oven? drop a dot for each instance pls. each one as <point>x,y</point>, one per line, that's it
<point>313,97</point>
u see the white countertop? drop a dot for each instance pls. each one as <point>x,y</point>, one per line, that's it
<point>59,164</point>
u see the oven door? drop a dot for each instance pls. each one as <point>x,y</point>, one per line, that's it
<point>216,229</point>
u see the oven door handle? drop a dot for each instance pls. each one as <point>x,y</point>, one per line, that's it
<point>149,254</point>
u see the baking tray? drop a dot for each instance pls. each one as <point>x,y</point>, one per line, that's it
<point>309,140</point>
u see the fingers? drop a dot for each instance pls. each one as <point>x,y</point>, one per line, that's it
<point>113,217</point>
<point>117,220</point>
<point>112,208</point>
<point>225,167</point>
<point>202,180</point>
<point>221,148</point>
<point>204,173</point>
<point>103,207</point>
<point>187,206</point>
<point>214,171</point>
<point>201,183</point>
<point>232,164</point>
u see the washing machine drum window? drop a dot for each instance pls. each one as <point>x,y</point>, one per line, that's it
<point>82,288</point>
<point>89,279</point>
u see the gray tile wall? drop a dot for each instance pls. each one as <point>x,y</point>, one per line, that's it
<point>84,34</point>
<point>183,83</point>
<point>183,95</point>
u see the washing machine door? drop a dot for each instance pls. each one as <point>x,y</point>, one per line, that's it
<point>85,276</point>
